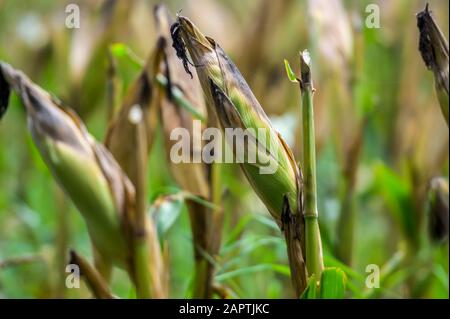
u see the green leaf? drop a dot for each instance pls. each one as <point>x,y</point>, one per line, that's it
<point>267,222</point>
<point>166,211</point>
<point>332,284</point>
<point>333,262</point>
<point>199,200</point>
<point>396,192</point>
<point>238,229</point>
<point>290,74</point>
<point>180,99</point>
<point>281,269</point>
<point>122,51</point>
<point>311,290</point>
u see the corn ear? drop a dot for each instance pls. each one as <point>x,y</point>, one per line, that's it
<point>83,168</point>
<point>230,98</point>
<point>235,105</point>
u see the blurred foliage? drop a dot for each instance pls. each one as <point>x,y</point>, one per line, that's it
<point>371,76</point>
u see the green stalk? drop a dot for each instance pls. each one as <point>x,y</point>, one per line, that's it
<point>346,225</point>
<point>97,284</point>
<point>142,254</point>
<point>202,280</point>
<point>313,243</point>
<point>142,274</point>
<point>62,241</point>
<point>204,267</point>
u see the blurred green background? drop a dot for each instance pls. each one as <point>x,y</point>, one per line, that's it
<point>373,94</point>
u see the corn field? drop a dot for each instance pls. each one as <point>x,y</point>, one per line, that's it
<point>224,149</point>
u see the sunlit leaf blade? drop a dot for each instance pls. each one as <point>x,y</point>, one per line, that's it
<point>290,74</point>
<point>311,290</point>
<point>122,51</point>
<point>281,269</point>
<point>332,284</point>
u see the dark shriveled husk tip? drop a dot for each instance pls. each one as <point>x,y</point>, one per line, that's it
<point>73,260</point>
<point>178,45</point>
<point>5,91</point>
<point>146,89</point>
<point>425,46</point>
<point>432,43</point>
<point>285,213</point>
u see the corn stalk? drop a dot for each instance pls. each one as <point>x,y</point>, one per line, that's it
<point>313,243</point>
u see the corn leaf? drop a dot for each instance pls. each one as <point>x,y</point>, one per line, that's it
<point>332,284</point>
<point>290,74</point>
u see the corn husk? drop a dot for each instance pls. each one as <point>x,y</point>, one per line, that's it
<point>84,169</point>
<point>232,101</point>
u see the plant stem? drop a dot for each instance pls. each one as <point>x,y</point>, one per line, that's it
<point>200,218</point>
<point>313,243</point>
<point>204,267</point>
<point>142,273</point>
<point>346,224</point>
<point>96,283</point>
<point>62,240</point>
<point>142,266</point>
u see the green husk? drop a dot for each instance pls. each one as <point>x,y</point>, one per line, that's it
<point>84,168</point>
<point>217,73</point>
